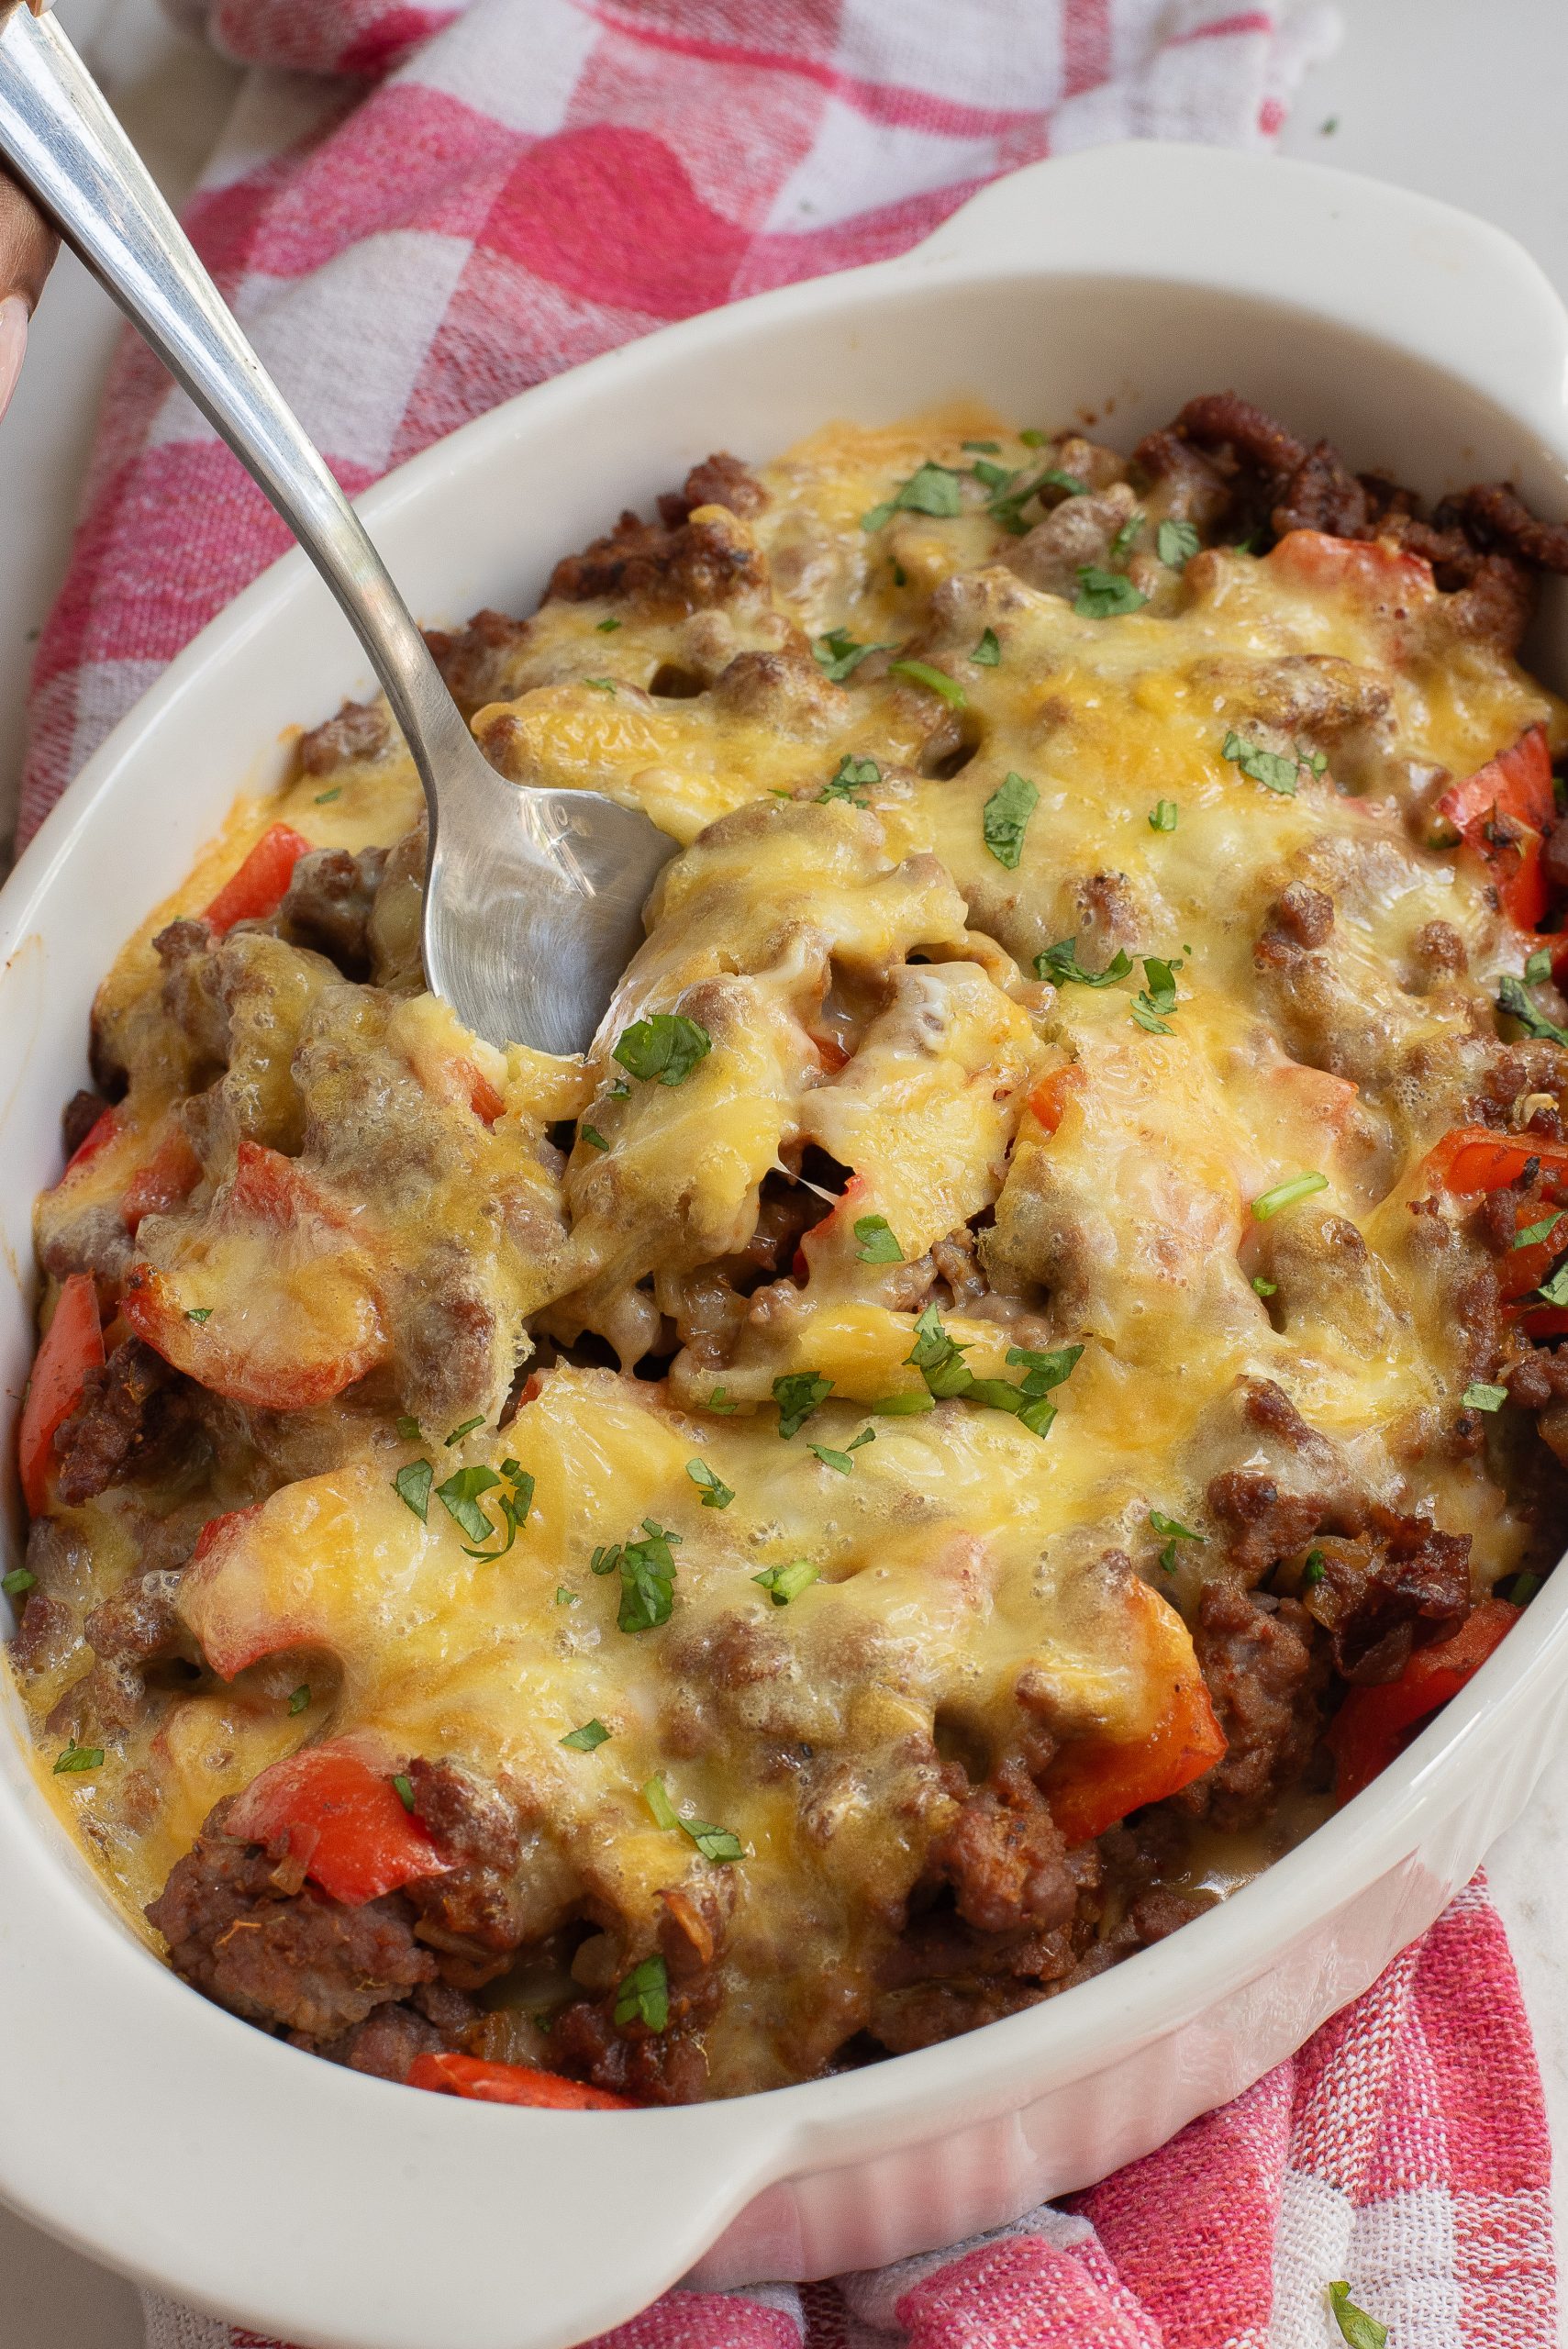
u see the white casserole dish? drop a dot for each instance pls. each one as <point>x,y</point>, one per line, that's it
<point>178,2145</point>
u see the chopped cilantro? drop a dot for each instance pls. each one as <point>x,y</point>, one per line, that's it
<point>644,1996</point>
<point>938,1358</point>
<point>840,1461</point>
<point>1513,1002</point>
<point>1274,772</point>
<point>1125,537</point>
<point>607,626</point>
<point>325,798</point>
<point>797,1394</point>
<point>405,1790</point>
<point>663,1047</point>
<point>1152,1003</point>
<point>1362,2331</point>
<point>904,1407</point>
<point>936,680</point>
<point>1284,1195</point>
<point>564,1597</point>
<point>1105,595</point>
<point>19,1580</point>
<point>1555,1290</point>
<point>1171,1531</point>
<point>79,1757</point>
<point>656,1794</point>
<point>409,1429</point>
<point>593,1137</point>
<point>459,1497</point>
<point>583,1740</point>
<point>198,1313</point>
<point>785,1583</point>
<point>715,1493</point>
<point>1482,1397</point>
<point>413,1487</point>
<point>988,651</point>
<point>932,489</point>
<point>466,1426</point>
<point>1522,1589</point>
<point>1042,1371</point>
<point>983,447</point>
<point>299,1697</point>
<point>1264,1287</point>
<point>1313,1569</point>
<point>620,1090</point>
<point>1162,816</point>
<point>1032,437</point>
<point>839,655</point>
<point>875,1242</point>
<point>719,1401</point>
<point>647,1578</point>
<point>1538,966</point>
<point>601,684</point>
<point>1007,815</point>
<point>1177,543</point>
<point>1534,1233</point>
<point>850,779</point>
<point>1007,506</point>
<point>718,1843</point>
<point>1061,962</point>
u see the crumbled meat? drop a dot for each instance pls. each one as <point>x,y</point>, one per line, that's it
<point>81,1114</point>
<point>86,1240</point>
<point>477,662</point>
<point>1256,1655</point>
<point>1078,532</point>
<point>1005,1857</point>
<point>361,731</point>
<point>1438,951</point>
<point>327,907</point>
<point>297,1961</point>
<point>682,570</point>
<point>1380,1586</point>
<point>134,1416</point>
<point>475,1913</point>
<point>719,480</point>
<point>1300,917</point>
<point>786,692</point>
<point>1262,1523</point>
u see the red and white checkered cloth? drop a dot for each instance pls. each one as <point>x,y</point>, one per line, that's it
<point>1404,2151</point>
<point>434,206</point>
<point>505,187</point>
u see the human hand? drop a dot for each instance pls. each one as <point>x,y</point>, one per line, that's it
<point>27,248</point>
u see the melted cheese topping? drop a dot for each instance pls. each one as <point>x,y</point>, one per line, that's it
<point>861,963</point>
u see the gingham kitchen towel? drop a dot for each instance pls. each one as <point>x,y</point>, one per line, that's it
<point>418,211</point>
<point>1402,2154</point>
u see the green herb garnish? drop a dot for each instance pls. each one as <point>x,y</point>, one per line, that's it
<point>797,1394</point>
<point>903,1406</point>
<point>412,1485</point>
<point>1153,1003</point>
<point>459,1496</point>
<point>593,1137</point>
<point>1125,537</point>
<point>877,1244</point>
<point>1313,1569</point>
<point>564,1597</point>
<point>644,1996</point>
<point>607,626</point>
<point>664,1047</point>
<point>938,1358</point>
<point>1171,1531</point>
<point>988,651</point>
<point>1162,816</point>
<point>409,1429</point>
<point>647,1576</point>
<point>785,1583</point>
<point>838,655</point>
<point>79,1757</point>
<point>715,1493</point>
<point>1534,1233</point>
<point>601,684</point>
<point>1362,2331</point>
<point>325,798</point>
<point>931,489</point>
<point>1479,1397</point>
<point>850,780</point>
<point>1274,772</point>
<point>1284,1195</point>
<point>1061,962</point>
<point>1007,812</point>
<point>465,1427</point>
<point>404,1788</point>
<point>716,1843</point>
<point>19,1580</point>
<point>936,680</point>
<point>1105,595</point>
<point>1264,1287</point>
<point>299,1697</point>
<point>1538,966</point>
<point>198,1314</point>
<point>583,1740</point>
<point>1177,543</point>
<point>656,1794</point>
<point>1513,1002</point>
<point>840,1461</point>
<point>719,1401</point>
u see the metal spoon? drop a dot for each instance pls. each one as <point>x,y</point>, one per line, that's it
<point>533,898</point>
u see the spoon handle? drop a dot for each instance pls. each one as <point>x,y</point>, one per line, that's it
<point>59,139</point>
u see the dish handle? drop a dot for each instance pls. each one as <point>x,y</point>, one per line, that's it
<point>1400,267</point>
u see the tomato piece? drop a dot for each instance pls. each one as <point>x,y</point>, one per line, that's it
<point>470,2076</point>
<point>346,1822</point>
<point>99,1134</point>
<point>72,1346</point>
<point>1096,1783</point>
<point>1503,812</point>
<point>262,883</point>
<point>487,1104</point>
<point>1379,573</point>
<point>1372,1725</point>
<point>1545,1321</point>
<point>1051,1096</point>
<point>167,1179</point>
<point>266,1298</point>
<point>1472,1159</point>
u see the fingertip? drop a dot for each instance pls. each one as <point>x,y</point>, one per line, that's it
<point>14,315</point>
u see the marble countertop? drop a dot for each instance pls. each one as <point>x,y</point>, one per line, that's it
<point>1421,93</point>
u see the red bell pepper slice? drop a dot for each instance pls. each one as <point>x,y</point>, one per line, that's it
<point>347,1822</point>
<point>261,885</point>
<point>1472,1159</point>
<point>1096,1784</point>
<point>1381,575</point>
<point>167,1179</point>
<point>1504,811</point>
<point>1373,1724</point>
<point>470,2076</point>
<point>98,1136</point>
<point>72,1345</point>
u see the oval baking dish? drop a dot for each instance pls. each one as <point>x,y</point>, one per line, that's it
<point>171,2141</point>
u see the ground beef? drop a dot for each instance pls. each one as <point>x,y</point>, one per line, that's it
<point>361,731</point>
<point>1256,1655</point>
<point>90,1239</point>
<point>477,661</point>
<point>296,1962</point>
<point>475,1913</point>
<point>666,2067</point>
<point>1301,917</point>
<point>434,2019</point>
<point>135,1418</point>
<point>1260,1523</point>
<point>1382,1588</point>
<point>1005,1857</point>
<point>81,1114</point>
<point>719,480</point>
<point>687,569</point>
<point>327,907</point>
<point>785,692</point>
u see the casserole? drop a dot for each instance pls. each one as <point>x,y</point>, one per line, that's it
<point>938,2140</point>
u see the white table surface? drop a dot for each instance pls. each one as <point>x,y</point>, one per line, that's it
<point>1460,98</point>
